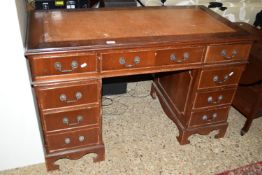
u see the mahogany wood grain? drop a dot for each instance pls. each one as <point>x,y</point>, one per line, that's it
<point>208,117</point>
<point>49,97</point>
<point>178,56</point>
<point>89,116</point>
<point>47,66</point>
<point>111,61</point>
<point>186,132</point>
<point>75,154</point>
<point>219,77</point>
<point>72,139</point>
<point>100,37</point>
<point>232,52</point>
<point>178,96</point>
<point>201,100</point>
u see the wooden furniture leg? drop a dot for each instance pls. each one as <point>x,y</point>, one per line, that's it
<point>153,92</point>
<point>246,127</point>
<point>99,150</point>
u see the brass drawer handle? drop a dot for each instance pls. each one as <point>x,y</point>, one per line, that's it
<point>81,138</point>
<point>226,77</point>
<point>219,99</point>
<point>79,119</point>
<point>63,98</point>
<point>67,140</point>
<point>224,54</point>
<point>206,118</point>
<point>174,58</point>
<point>58,67</point>
<point>136,60</point>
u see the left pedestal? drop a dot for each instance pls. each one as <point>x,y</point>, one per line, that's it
<point>70,118</point>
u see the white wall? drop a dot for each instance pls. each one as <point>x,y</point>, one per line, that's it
<point>20,142</point>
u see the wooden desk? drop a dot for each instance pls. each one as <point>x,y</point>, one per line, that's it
<point>196,55</point>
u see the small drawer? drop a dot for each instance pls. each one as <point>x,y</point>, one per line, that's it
<point>67,95</point>
<point>71,119</point>
<point>220,77</point>
<point>73,139</point>
<point>127,60</point>
<point>208,117</point>
<point>63,65</point>
<point>221,53</point>
<point>179,56</point>
<point>215,98</point>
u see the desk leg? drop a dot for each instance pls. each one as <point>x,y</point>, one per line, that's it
<point>185,133</point>
<point>99,150</point>
<point>246,127</point>
<point>153,92</point>
<point>183,137</point>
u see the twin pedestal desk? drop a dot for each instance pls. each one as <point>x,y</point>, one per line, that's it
<point>197,58</point>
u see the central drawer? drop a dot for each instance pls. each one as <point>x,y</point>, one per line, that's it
<point>72,139</point>
<point>127,60</point>
<point>179,56</point>
<point>67,95</point>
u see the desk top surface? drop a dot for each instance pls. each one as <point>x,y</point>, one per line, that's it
<point>53,30</point>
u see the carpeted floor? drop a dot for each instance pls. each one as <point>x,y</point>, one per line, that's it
<point>252,169</point>
<point>140,139</point>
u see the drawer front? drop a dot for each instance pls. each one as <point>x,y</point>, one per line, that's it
<point>63,65</point>
<point>220,53</point>
<point>208,117</point>
<point>220,77</point>
<point>215,98</point>
<point>179,56</point>
<point>73,139</point>
<point>69,95</point>
<point>71,119</point>
<point>127,60</point>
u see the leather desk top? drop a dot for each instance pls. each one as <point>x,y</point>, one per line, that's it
<point>96,28</point>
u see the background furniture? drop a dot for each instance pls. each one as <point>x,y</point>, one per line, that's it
<point>237,11</point>
<point>198,63</point>
<point>248,98</point>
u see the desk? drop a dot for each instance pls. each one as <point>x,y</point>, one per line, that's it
<point>197,58</point>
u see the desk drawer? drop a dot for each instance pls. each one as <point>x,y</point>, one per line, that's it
<point>220,76</point>
<point>73,139</point>
<point>214,98</point>
<point>179,56</point>
<point>71,119</point>
<point>63,65</point>
<point>208,117</point>
<point>67,95</point>
<point>127,60</point>
<point>234,52</point>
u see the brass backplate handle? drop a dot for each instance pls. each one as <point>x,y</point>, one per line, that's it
<point>173,58</point>
<point>63,98</point>
<point>136,61</point>
<point>58,67</point>
<point>225,55</point>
